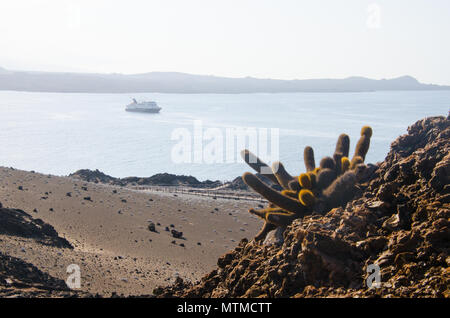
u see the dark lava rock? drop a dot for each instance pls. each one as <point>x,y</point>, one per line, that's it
<point>152,227</point>
<point>19,223</point>
<point>161,179</point>
<point>399,221</point>
<point>176,234</point>
<point>21,279</point>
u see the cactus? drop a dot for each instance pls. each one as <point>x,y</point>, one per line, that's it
<point>356,161</point>
<point>325,178</point>
<point>343,145</point>
<point>290,193</point>
<point>306,197</point>
<point>363,143</point>
<point>337,157</point>
<point>294,185</point>
<point>327,163</point>
<point>366,131</point>
<point>262,213</point>
<point>345,164</point>
<point>341,190</point>
<point>257,165</point>
<point>330,185</point>
<point>308,158</point>
<point>305,181</point>
<point>280,218</point>
<point>313,178</point>
<point>283,177</point>
<point>284,202</point>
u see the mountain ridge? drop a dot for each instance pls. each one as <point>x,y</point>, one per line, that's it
<point>178,82</point>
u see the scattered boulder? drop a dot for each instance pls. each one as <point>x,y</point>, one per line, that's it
<point>176,234</point>
<point>152,227</point>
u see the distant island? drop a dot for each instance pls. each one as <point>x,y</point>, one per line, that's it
<point>173,82</point>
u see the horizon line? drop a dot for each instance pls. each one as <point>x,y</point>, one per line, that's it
<point>220,76</point>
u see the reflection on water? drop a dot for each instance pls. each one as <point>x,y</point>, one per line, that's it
<point>59,133</point>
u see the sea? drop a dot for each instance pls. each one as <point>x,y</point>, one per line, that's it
<point>198,134</point>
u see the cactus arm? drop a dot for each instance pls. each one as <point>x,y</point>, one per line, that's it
<point>325,178</point>
<point>275,197</point>
<point>280,218</point>
<point>281,174</point>
<point>356,161</point>
<point>345,164</point>
<point>262,213</point>
<point>294,185</point>
<point>343,145</point>
<point>337,157</point>
<point>308,158</point>
<point>256,164</point>
<point>327,162</point>
<point>307,198</point>
<point>362,147</point>
<point>290,193</point>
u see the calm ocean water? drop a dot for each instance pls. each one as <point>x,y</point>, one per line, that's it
<point>59,133</point>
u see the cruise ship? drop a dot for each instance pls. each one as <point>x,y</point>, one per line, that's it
<point>143,107</point>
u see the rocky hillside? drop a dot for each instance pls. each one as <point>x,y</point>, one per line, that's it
<point>400,222</point>
<point>19,223</point>
<point>160,179</point>
<point>19,278</point>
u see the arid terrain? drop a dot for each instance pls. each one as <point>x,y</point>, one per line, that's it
<point>108,227</point>
<point>143,242</point>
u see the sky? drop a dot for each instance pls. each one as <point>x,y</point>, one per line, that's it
<point>283,39</point>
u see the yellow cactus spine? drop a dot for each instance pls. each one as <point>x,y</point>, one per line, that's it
<point>356,161</point>
<point>313,178</point>
<point>290,193</point>
<point>275,197</point>
<point>345,164</point>
<point>306,198</point>
<point>305,181</point>
<point>366,131</point>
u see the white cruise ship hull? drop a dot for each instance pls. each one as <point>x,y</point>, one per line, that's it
<point>143,110</point>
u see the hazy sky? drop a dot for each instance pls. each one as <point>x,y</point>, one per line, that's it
<point>283,39</point>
